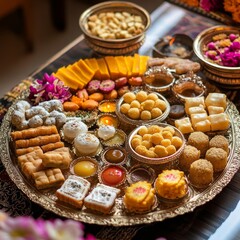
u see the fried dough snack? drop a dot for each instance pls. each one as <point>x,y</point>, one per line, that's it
<point>180,65</point>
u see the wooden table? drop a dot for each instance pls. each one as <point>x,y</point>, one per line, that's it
<point>199,224</point>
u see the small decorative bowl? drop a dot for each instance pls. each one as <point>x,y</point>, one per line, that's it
<point>114,155</point>
<point>108,119</point>
<point>85,167</point>
<point>117,46</point>
<point>141,172</point>
<point>188,86</point>
<point>112,175</point>
<point>179,45</point>
<point>107,106</point>
<point>158,79</point>
<point>218,73</point>
<point>117,140</point>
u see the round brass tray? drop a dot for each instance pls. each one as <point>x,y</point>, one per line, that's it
<point>119,217</point>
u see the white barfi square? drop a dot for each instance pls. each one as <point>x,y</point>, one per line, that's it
<point>101,198</point>
<point>73,190</point>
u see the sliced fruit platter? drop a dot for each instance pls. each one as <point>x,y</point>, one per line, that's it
<point>90,142</point>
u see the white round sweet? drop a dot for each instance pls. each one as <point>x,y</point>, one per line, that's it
<point>106,132</point>
<point>86,143</point>
<point>72,128</point>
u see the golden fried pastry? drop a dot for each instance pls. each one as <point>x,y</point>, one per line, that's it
<point>37,141</point>
<point>198,109</point>
<point>22,151</point>
<point>31,162</point>
<point>194,102</point>
<point>58,158</point>
<point>34,132</point>
<point>203,126</point>
<point>48,178</point>
<point>218,158</point>
<point>188,156</point>
<point>219,121</point>
<point>215,110</point>
<point>201,173</point>
<point>52,146</point>
<point>73,191</point>
<point>139,197</point>
<point>199,140</point>
<point>216,99</point>
<point>171,184</point>
<point>219,141</point>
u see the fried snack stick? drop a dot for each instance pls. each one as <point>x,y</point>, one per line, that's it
<point>23,151</point>
<point>180,65</point>
<point>37,141</point>
<point>34,132</point>
<point>52,146</point>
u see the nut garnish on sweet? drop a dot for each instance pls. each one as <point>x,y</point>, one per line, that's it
<point>115,25</point>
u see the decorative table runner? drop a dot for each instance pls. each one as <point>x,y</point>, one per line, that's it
<point>198,225</point>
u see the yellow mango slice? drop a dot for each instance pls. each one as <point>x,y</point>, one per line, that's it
<point>67,79</point>
<point>129,63</point>
<point>103,69</point>
<point>143,64</point>
<point>86,70</point>
<point>92,63</point>
<point>122,67</point>
<point>136,65</point>
<point>112,67</point>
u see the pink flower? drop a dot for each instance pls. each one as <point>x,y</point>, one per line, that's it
<point>211,5</point>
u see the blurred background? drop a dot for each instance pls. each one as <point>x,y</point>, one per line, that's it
<point>31,31</point>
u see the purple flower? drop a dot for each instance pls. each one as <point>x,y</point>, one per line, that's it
<point>232,37</point>
<point>48,88</point>
<point>230,59</point>
<point>211,46</point>
<point>234,46</point>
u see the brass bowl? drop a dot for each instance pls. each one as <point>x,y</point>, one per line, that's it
<point>216,70</point>
<point>114,46</point>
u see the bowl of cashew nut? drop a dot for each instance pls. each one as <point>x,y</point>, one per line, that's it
<point>115,28</point>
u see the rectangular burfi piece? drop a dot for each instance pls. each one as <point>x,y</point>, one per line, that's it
<point>48,178</point>
<point>58,158</point>
<point>112,67</point>
<point>31,162</point>
<point>219,121</point>
<point>184,125</point>
<point>194,102</point>
<point>73,191</point>
<point>216,99</point>
<point>101,198</point>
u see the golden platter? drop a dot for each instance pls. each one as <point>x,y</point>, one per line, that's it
<point>120,217</point>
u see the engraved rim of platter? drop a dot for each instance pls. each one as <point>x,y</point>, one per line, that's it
<point>119,218</point>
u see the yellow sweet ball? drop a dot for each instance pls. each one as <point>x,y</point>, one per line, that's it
<point>151,154</point>
<point>147,105</point>
<point>137,136</point>
<point>165,142</point>
<point>141,150</point>
<point>152,149</point>
<point>147,144</point>
<point>129,97</point>
<point>143,130</point>
<point>177,141</point>
<point>152,96</point>
<point>145,115</point>
<point>171,149</point>
<point>141,96</point>
<point>154,129</point>
<point>136,142</point>
<point>135,104</point>
<point>124,108</point>
<point>156,112</point>
<point>160,104</point>
<point>156,138</point>
<point>167,135</point>
<point>133,113</point>
<point>146,137</point>
<point>161,151</point>
<point>169,128</point>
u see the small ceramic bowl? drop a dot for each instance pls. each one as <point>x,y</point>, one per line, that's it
<point>114,155</point>
<point>86,167</point>
<point>112,175</point>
